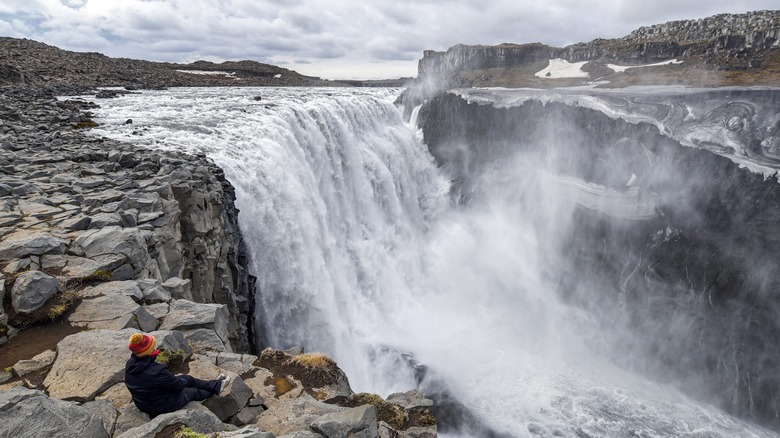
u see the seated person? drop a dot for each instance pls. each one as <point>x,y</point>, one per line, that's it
<point>154,388</point>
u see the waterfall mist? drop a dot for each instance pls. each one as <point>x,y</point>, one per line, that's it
<point>489,280</point>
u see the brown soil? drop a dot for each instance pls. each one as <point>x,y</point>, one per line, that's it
<point>279,363</point>
<point>33,340</point>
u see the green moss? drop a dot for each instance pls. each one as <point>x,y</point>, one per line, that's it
<point>99,275</point>
<point>390,413</point>
<point>64,302</point>
<point>168,356</point>
<point>186,432</point>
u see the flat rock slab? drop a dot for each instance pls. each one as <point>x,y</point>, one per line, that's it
<point>359,422</point>
<point>186,315</point>
<point>129,288</point>
<point>37,363</point>
<point>110,241</point>
<point>105,308</point>
<point>30,413</point>
<point>22,243</point>
<point>192,415</point>
<point>293,415</point>
<point>88,363</point>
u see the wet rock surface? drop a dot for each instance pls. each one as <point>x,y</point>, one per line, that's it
<point>678,287</point>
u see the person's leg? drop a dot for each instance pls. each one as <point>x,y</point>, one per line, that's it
<point>195,394</point>
<point>212,386</point>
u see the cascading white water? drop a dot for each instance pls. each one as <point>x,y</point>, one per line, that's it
<point>359,255</point>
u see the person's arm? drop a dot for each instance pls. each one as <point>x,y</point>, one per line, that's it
<point>166,380</point>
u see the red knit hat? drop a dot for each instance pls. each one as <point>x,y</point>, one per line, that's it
<point>143,345</point>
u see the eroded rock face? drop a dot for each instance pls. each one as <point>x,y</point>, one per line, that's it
<point>75,207</point>
<point>678,282</point>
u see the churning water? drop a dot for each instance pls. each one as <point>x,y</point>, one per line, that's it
<point>360,254</point>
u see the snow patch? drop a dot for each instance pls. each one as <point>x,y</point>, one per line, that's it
<point>622,68</point>
<point>277,76</point>
<point>561,68</point>
<point>209,73</point>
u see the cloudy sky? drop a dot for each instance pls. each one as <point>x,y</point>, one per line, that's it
<point>335,39</point>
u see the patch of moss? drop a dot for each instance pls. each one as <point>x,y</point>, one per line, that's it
<point>315,360</point>
<point>390,413</point>
<point>99,275</point>
<point>186,432</point>
<point>282,385</point>
<point>170,356</point>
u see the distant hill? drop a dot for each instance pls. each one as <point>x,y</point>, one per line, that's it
<point>725,49</point>
<point>24,61</point>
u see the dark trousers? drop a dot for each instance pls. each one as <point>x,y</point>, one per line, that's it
<point>197,389</point>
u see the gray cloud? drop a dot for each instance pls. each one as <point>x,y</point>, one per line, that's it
<point>332,38</point>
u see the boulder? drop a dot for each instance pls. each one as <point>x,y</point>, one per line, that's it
<point>178,288</point>
<point>301,434</point>
<point>294,415</point>
<point>410,399</point>
<point>30,413</point>
<point>359,422</point>
<point>248,432</point>
<point>231,400</point>
<point>22,243</point>
<point>186,315</point>
<point>172,341</point>
<point>88,363</point>
<point>192,415</point>
<point>420,432</point>
<point>129,417</point>
<point>31,290</point>
<point>248,415</point>
<point>205,340</point>
<point>153,291</point>
<point>116,240</point>
<point>105,411</point>
<point>112,312</point>
<point>237,363</point>
<point>129,288</point>
<point>103,309</point>
<point>37,363</point>
<point>117,394</point>
<point>158,310</point>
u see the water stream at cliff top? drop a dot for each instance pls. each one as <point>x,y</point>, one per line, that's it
<point>359,254</point>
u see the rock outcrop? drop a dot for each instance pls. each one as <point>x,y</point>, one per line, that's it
<point>79,210</point>
<point>725,49</point>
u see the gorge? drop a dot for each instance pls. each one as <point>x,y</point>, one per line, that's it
<point>580,258</point>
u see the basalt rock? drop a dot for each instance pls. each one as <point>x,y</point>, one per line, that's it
<point>675,227</point>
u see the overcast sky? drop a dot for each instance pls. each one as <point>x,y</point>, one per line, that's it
<point>335,39</point>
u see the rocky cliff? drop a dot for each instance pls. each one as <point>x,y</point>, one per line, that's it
<point>99,240</point>
<point>726,49</point>
<point>673,238</point>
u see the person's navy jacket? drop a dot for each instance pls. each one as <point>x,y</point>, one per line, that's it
<point>154,388</point>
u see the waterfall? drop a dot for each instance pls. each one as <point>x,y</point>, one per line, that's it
<point>360,255</point>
